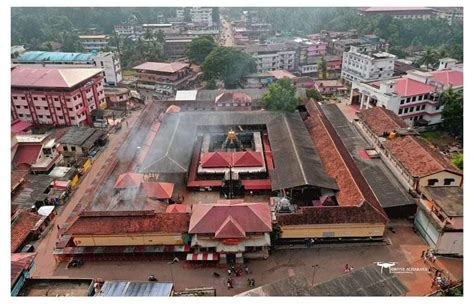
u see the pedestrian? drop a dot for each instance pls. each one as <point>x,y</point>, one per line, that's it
<point>249,283</point>
<point>433,258</point>
<point>351,268</point>
<point>423,254</point>
<point>347,268</point>
<point>229,271</point>
<point>433,284</point>
<point>246,269</point>
<point>252,282</point>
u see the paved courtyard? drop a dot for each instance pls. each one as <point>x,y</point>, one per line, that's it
<point>404,248</point>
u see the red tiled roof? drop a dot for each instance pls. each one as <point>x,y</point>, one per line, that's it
<point>230,229</point>
<point>449,77</point>
<point>418,157</point>
<point>166,67</point>
<point>216,159</point>
<point>128,180</point>
<point>409,87</point>
<point>113,223</point>
<point>381,120</point>
<point>178,208</point>
<point>158,190</point>
<point>20,262</point>
<point>50,77</point>
<point>173,109</point>
<point>247,159</point>
<point>214,218</point>
<point>22,223</point>
<point>25,156</point>
<point>17,177</point>
<point>19,126</point>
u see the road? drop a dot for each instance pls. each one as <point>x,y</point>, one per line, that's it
<point>45,263</point>
<point>227,34</point>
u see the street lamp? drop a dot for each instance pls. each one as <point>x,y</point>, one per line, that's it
<point>314,272</point>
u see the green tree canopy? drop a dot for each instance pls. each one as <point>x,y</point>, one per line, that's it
<point>315,94</point>
<point>452,112</point>
<point>458,160</point>
<point>199,48</point>
<point>229,65</point>
<point>281,96</point>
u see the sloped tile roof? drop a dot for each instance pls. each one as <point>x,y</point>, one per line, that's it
<point>409,87</point>
<point>230,229</point>
<point>381,120</point>
<point>158,190</point>
<point>128,180</point>
<point>418,157</point>
<point>178,208</point>
<point>116,223</point>
<point>19,263</point>
<point>22,223</point>
<point>251,217</point>
<point>216,159</point>
<point>247,159</point>
<point>449,77</point>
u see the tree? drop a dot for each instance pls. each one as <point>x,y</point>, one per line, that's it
<point>458,160</point>
<point>227,64</point>
<point>323,66</point>
<point>199,48</point>
<point>71,42</point>
<point>281,96</point>
<point>452,112</point>
<point>315,94</point>
<point>428,58</point>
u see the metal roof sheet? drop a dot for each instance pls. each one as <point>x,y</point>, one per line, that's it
<point>135,289</point>
<point>35,56</point>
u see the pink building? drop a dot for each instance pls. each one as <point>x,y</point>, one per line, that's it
<point>55,96</point>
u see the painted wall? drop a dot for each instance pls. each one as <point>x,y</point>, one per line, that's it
<point>450,243</point>
<point>440,177</point>
<point>332,230</point>
<point>129,240</point>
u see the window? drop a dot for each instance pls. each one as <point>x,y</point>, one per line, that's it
<point>37,108</point>
<point>55,99</point>
<point>40,116</point>
<point>21,115</point>
<point>17,107</point>
<point>58,109</point>
<point>47,116</point>
<point>411,109</point>
<point>420,97</point>
<point>45,108</point>
<point>25,107</point>
<point>402,101</point>
<point>73,148</point>
<point>35,98</point>
<point>417,108</point>
<point>15,97</point>
<point>448,181</point>
<point>60,117</point>
<point>426,96</point>
<point>432,181</point>
<point>438,106</point>
<point>65,148</point>
<point>423,107</point>
<point>405,110</point>
<point>23,98</point>
<point>43,99</point>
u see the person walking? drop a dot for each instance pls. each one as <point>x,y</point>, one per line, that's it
<point>246,269</point>
<point>347,268</point>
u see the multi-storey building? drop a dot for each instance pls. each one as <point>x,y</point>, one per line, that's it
<point>163,77</point>
<point>361,64</point>
<point>133,32</point>
<point>307,54</point>
<point>199,15</point>
<point>400,12</point>
<point>94,42</point>
<point>271,57</point>
<point>370,42</point>
<point>414,97</point>
<point>175,47</point>
<point>108,61</point>
<point>58,97</point>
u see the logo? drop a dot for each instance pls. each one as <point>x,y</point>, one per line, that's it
<point>391,269</point>
<point>385,265</point>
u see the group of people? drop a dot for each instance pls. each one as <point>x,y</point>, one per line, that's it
<point>439,280</point>
<point>427,255</point>
<point>237,272</point>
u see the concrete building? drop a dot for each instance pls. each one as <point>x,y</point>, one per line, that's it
<point>175,46</point>
<point>163,77</point>
<point>400,12</point>
<point>78,141</point>
<point>133,32</point>
<point>117,98</point>
<point>108,61</point>
<point>271,57</point>
<point>37,153</point>
<point>94,42</point>
<point>439,219</point>
<point>362,65</point>
<point>22,264</point>
<point>17,50</point>
<point>54,96</point>
<point>412,160</point>
<point>199,15</point>
<point>414,97</point>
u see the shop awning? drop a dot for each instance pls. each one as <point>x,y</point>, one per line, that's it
<point>202,257</point>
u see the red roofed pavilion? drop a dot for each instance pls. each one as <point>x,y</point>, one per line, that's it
<point>247,159</point>
<point>129,180</point>
<point>216,159</point>
<point>158,190</point>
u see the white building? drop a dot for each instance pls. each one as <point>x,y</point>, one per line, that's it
<point>414,97</point>
<point>108,61</point>
<point>199,15</point>
<point>94,42</point>
<point>273,57</point>
<point>361,65</point>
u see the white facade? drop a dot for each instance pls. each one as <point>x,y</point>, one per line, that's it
<point>201,15</point>
<point>308,69</point>
<point>94,42</point>
<point>360,67</point>
<point>409,108</point>
<point>110,63</point>
<point>278,60</point>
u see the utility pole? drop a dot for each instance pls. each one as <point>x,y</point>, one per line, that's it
<point>314,272</point>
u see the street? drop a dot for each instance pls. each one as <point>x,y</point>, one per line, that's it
<point>226,34</point>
